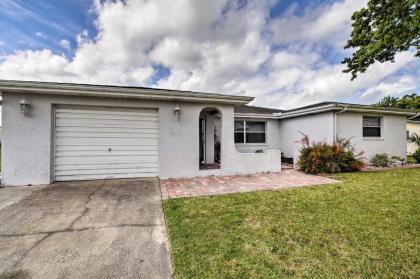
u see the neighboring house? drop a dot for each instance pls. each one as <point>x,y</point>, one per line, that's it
<point>371,129</point>
<point>60,132</point>
<point>413,127</point>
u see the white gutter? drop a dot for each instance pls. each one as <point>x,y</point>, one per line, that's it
<point>119,92</point>
<point>382,111</point>
<point>333,107</point>
<point>255,115</point>
<point>305,111</point>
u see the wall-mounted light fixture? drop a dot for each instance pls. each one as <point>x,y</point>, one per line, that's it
<point>177,112</point>
<point>25,108</point>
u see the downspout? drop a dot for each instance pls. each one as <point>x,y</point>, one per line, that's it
<point>336,123</point>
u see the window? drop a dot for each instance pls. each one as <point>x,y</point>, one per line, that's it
<point>371,126</point>
<point>249,131</point>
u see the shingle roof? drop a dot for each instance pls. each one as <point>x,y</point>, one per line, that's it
<point>341,105</point>
<point>114,91</point>
<point>255,110</point>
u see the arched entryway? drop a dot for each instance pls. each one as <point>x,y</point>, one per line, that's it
<point>210,137</point>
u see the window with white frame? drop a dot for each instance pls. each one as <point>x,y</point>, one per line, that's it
<point>249,131</point>
<point>372,126</point>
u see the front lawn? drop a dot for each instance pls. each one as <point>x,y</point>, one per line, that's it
<point>368,226</point>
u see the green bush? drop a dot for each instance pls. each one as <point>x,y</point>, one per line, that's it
<point>416,155</point>
<point>381,160</point>
<point>411,160</point>
<point>398,159</point>
<point>322,157</point>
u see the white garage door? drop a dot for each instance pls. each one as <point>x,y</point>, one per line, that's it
<point>101,143</point>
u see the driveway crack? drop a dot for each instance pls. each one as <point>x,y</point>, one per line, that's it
<point>87,209</point>
<point>26,253</point>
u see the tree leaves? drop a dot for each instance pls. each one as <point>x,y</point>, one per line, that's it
<point>409,101</point>
<point>381,30</point>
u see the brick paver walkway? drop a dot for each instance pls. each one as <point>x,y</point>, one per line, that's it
<point>218,185</point>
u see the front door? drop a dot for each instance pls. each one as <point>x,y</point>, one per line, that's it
<point>202,139</point>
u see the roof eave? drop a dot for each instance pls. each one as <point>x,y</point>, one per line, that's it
<point>255,115</point>
<point>349,108</point>
<point>120,92</point>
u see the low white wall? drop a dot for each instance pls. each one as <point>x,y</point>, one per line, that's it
<point>269,160</point>
<point>27,150</point>
<point>412,127</point>
<point>393,140</point>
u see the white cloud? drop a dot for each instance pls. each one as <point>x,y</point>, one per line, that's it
<point>34,65</point>
<point>226,46</point>
<point>40,34</point>
<point>65,44</point>
<point>325,24</point>
<point>393,86</point>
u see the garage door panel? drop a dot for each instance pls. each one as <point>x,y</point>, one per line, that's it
<point>110,154</point>
<point>104,141</point>
<point>104,176</point>
<point>127,118</point>
<point>89,123</point>
<point>139,135</point>
<point>99,166</point>
<point>105,147</point>
<point>83,138</point>
<point>105,129</point>
<point>107,111</point>
<point>111,171</point>
<point>104,159</point>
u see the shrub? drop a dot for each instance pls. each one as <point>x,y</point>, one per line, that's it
<point>322,157</point>
<point>414,138</point>
<point>381,160</point>
<point>398,159</point>
<point>416,155</point>
<point>411,159</point>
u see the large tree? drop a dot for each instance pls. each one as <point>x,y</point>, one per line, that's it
<point>380,30</point>
<point>409,101</point>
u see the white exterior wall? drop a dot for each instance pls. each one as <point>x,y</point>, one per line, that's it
<point>412,127</point>
<point>272,133</point>
<point>393,140</point>
<point>317,126</point>
<point>27,150</point>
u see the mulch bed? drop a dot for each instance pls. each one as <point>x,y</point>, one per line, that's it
<point>393,167</point>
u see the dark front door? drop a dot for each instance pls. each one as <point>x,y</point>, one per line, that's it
<point>202,139</point>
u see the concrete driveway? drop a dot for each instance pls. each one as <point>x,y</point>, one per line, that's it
<point>89,229</point>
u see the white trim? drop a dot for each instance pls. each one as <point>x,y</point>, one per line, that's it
<point>302,112</point>
<point>333,107</point>
<point>255,116</point>
<point>251,144</point>
<point>244,133</point>
<point>119,92</point>
<point>381,130</point>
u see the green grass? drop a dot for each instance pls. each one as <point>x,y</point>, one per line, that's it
<point>368,226</point>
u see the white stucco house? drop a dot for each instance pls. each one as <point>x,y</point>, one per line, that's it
<point>373,130</point>
<point>413,127</point>
<point>61,132</point>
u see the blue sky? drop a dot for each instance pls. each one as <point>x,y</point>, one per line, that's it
<point>286,53</point>
<point>42,24</point>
